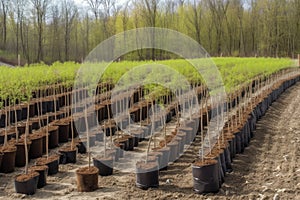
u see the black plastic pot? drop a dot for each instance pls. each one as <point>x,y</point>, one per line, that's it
<point>53,137</point>
<point>99,136</point>
<point>223,161</point>
<point>43,172</point>
<point>67,155</point>
<point>147,175</point>
<point>20,154</point>
<point>105,165</point>
<point>239,143</point>
<point>173,151</point>
<point>28,187</point>
<point>1,156</point>
<point>130,143</point>
<point>135,141</point>
<point>228,160</point>
<point>21,128</point>
<point>2,120</point>
<point>113,131</point>
<point>36,147</point>
<point>8,161</point>
<point>120,151</point>
<point>189,134</point>
<point>9,137</point>
<point>81,146</point>
<point>63,132</point>
<point>113,153</point>
<point>180,144</point>
<point>53,167</point>
<point>182,135</point>
<point>206,177</point>
<point>138,136</point>
<point>231,146</point>
<point>53,164</point>
<point>158,155</point>
<point>124,144</point>
<point>163,163</point>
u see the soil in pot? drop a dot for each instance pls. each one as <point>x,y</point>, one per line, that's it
<point>158,155</point>
<point>8,159</point>
<point>206,176</point>
<point>27,183</point>
<point>123,143</point>
<point>87,179</point>
<point>147,175</point>
<point>105,165</point>
<point>68,155</point>
<point>43,172</point>
<point>52,162</point>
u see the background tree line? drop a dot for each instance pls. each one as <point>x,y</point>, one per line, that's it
<point>62,30</point>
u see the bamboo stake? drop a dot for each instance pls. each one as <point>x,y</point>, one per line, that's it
<point>47,137</point>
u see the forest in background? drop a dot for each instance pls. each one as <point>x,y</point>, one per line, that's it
<point>64,30</point>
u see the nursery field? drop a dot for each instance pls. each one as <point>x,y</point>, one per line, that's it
<point>56,142</point>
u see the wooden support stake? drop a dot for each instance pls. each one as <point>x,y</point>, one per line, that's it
<point>19,60</point>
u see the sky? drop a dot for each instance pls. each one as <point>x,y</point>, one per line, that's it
<point>84,3</point>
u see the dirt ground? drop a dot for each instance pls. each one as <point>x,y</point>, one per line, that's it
<point>268,169</point>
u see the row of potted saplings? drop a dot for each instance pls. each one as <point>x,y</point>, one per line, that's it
<point>48,100</point>
<point>147,170</point>
<point>14,149</point>
<point>36,139</point>
<point>209,171</point>
<point>87,177</point>
<point>38,108</point>
<point>37,144</point>
<point>172,146</point>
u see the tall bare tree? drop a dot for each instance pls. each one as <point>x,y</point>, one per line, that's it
<point>4,11</point>
<point>40,9</point>
<point>69,14</point>
<point>95,6</point>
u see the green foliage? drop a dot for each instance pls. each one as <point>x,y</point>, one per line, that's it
<point>18,83</point>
